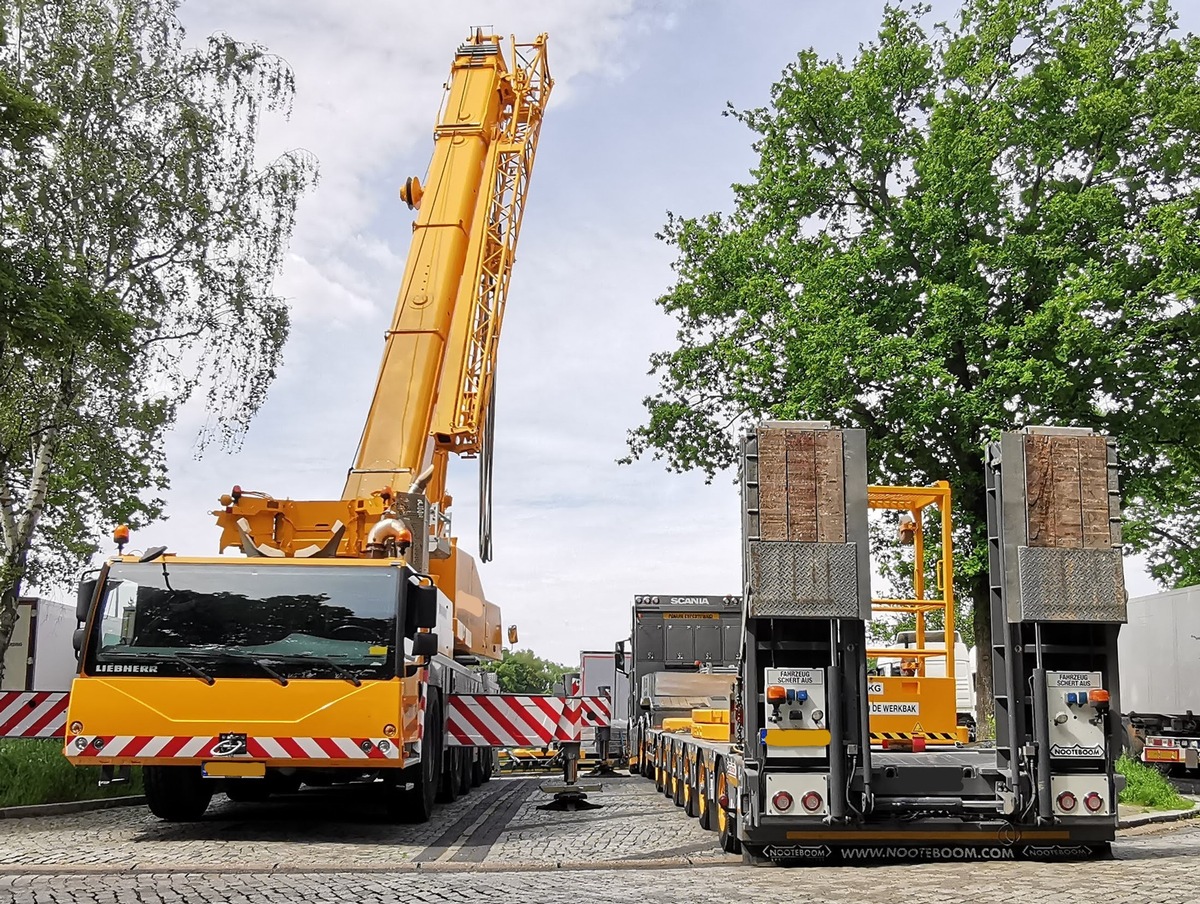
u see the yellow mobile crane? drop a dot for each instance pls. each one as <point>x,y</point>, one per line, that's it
<point>334,648</point>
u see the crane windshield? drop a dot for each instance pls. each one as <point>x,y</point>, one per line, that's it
<point>246,620</point>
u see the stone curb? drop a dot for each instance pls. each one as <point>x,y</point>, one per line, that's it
<point>70,806</point>
<point>1157,816</point>
<point>537,866</point>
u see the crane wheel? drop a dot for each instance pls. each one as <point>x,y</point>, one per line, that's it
<point>451,767</point>
<point>177,793</point>
<point>416,804</point>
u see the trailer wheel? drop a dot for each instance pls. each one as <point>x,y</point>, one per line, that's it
<point>726,820</point>
<point>669,770</point>
<point>703,803</point>
<point>488,762</point>
<point>416,804</point>
<point>691,799</point>
<point>659,780</point>
<point>678,777</point>
<point>177,793</point>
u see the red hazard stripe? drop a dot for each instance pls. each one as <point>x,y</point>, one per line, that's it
<point>481,728</point>
<point>331,748</point>
<point>43,721</point>
<point>173,747</point>
<point>509,725</point>
<point>291,748</point>
<point>28,706</point>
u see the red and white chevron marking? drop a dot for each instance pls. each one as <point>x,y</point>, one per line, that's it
<point>32,714</point>
<point>596,712</point>
<point>102,747</point>
<point>509,720</point>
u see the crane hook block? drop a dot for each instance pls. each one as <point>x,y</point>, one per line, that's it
<point>411,193</point>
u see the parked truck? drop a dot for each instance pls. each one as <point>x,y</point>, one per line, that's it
<point>342,644</point>
<point>1160,678</point>
<point>788,770</point>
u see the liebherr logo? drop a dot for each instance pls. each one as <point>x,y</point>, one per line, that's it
<point>1076,750</point>
<point>109,669</point>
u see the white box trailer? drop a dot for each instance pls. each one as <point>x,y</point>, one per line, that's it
<point>1159,656</point>
<point>40,656</point>
<point>599,677</point>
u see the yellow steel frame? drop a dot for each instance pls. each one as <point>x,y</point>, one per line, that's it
<point>907,707</point>
<point>914,500</point>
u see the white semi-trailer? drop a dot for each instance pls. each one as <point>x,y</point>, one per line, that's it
<point>1160,678</point>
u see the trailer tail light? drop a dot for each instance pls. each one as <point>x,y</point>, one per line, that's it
<point>776,693</point>
<point>811,801</point>
<point>1094,802</point>
<point>1067,802</point>
<point>782,801</point>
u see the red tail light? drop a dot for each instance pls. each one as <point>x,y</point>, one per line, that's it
<point>1067,802</point>
<point>1094,802</point>
<point>782,801</point>
<point>811,801</point>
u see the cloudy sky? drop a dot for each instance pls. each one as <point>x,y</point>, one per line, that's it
<point>634,129</point>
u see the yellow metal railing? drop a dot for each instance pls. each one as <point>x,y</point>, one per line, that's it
<point>914,501</point>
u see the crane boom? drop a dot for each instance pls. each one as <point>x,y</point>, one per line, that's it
<point>440,353</point>
<point>435,384</point>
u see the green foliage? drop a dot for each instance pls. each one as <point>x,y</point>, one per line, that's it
<point>36,772</point>
<point>140,233</point>
<point>967,228</point>
<point>524,673</point>
<point>1147,787</point>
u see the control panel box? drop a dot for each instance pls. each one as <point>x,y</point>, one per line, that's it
<point>794,713</point>
<point>1076,704</point>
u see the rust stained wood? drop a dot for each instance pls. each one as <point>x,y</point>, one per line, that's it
<point>1066,480</point>
<point>1093,492</point>
<point>772,485</point>
<point>801,449</point>
<point>1068,512</point>
<point>1039,496</point>
<point>830,488</point>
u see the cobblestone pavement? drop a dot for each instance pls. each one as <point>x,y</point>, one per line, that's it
<point>497,843</point>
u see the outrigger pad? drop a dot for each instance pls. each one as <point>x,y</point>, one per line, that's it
<point>570,798</point>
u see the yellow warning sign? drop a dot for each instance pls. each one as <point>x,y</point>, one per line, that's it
<point>917,729</point>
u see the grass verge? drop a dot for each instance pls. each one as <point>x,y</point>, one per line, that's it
<point>1147,787</point>
<point>36,772</point>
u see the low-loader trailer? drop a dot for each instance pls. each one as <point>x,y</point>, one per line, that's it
<point>788,771</point>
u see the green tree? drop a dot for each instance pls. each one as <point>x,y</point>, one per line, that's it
<point>966,228</point>
<point>140,232</point>
<point>522,672</point>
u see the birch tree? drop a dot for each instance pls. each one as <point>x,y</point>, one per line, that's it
<point>141,229</point>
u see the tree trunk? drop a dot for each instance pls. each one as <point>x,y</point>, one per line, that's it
<point>10,592</point>
<point>981,610</point>
<point>17,529</point>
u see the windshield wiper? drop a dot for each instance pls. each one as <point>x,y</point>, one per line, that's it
<point>163,657</point>
<point>298,658</point>
<point>231,656</point>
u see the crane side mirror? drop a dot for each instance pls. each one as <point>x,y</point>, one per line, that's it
<point>77,640</point>
<point>422,608</point>
<point>619,654</point>
<point>425,644</point>
<point>83,599</point>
